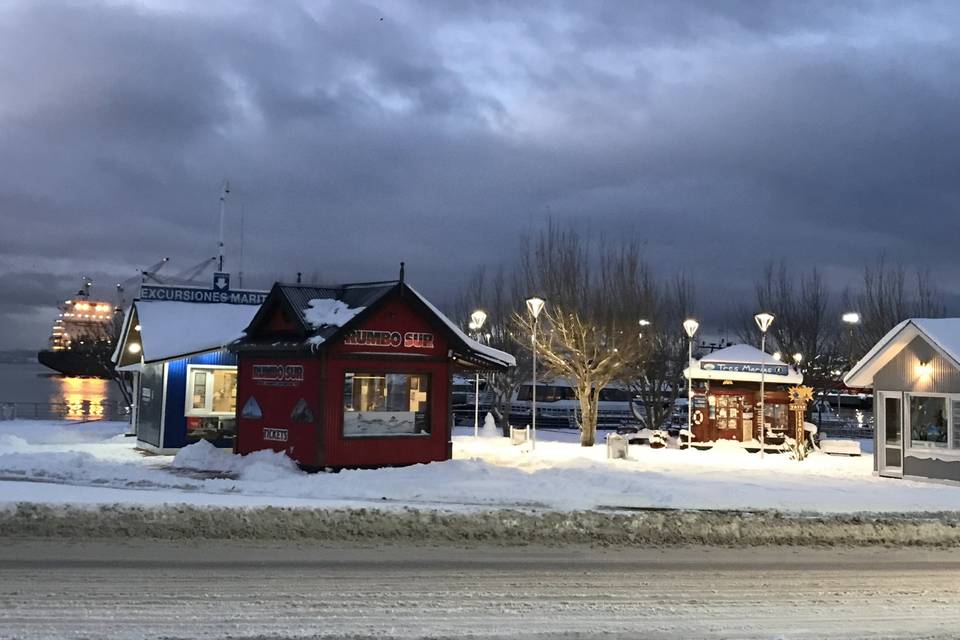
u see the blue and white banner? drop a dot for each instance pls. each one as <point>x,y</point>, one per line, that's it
<point>196,294</point>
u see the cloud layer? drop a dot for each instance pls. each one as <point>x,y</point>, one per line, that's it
<point>359,135</point>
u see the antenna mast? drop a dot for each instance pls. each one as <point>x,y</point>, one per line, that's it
<point>223,205</point>
<point>241,246</point>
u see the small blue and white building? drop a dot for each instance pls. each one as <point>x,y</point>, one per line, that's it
<point>174,341</point>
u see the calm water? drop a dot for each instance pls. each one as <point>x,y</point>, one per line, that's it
<point>34,383</point>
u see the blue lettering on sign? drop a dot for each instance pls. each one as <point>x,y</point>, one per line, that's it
<point>194,294</point>
<point>743,367</point>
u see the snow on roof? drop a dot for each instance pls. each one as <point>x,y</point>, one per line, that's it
<point>741,353</point>
<point>745,363</point>
<point>494,354</point>
<point>324,312</point>
<point>942,333</point>
<point>174,329</point>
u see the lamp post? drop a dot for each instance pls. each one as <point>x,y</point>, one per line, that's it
<point>690,326</point>
<point>852,319</point>
<point>763,320</point>
<point>477,318</point>
<point>534,306</point>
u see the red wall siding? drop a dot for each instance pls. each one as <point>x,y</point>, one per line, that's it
<point>277,398</point>
<point>415,353</point>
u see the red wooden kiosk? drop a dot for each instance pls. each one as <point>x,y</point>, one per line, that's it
<point>726,396</point>
<point>354,375</point>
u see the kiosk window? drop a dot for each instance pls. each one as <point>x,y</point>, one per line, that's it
<point>386,404</point>
<point>928,422</point>
<point>212,391</point>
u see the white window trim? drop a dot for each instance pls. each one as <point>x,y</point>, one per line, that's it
<point>951,451</point>
<point>189,410</point>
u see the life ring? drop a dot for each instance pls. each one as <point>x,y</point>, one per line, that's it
<point>698,417</point>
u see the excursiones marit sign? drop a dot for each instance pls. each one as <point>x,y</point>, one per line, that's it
<point>196,294</point>
<point>389,339</point>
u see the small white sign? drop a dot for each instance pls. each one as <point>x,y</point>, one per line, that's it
<point>275,435</point>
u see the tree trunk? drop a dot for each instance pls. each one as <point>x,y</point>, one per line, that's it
<point>588,416</point>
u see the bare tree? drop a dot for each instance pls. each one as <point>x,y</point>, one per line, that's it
<point>588,333</point>
<point>885,299</point>
<point>656,377</point>
<point>806,323</point>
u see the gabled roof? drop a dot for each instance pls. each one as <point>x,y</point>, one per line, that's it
<point>170,330</point>
<point>744,353</point>
<point>359,300</point>
<point>943,334</point>
<point>743,356</point>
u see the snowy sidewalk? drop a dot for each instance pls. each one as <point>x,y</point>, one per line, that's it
<point>62,463</point>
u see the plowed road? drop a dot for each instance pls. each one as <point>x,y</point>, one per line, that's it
<point>144,589</point>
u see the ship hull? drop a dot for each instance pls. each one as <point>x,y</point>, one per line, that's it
<point>75,364</point>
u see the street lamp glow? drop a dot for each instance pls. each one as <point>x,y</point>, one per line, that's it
<point>764,320</point>
<point>777,355</point>
<point>690,326</point>
<point>134,348</point>
<point>851,317</point>
<point>477,318</point>
<point>535,306</point>
<point>644,323</point>
<point>798,358</point>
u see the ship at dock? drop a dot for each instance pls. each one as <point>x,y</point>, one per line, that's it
<point>83,336</point>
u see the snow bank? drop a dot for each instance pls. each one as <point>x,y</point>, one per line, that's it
<point>505,527</point>
<point>259,466</point>
<point>486,474</point>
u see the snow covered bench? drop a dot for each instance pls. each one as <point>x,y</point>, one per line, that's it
<point>840,446</point>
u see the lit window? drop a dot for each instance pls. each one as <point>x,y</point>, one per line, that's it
<point>212,391</point>
<point>386,404</point>
<point>928,422</point>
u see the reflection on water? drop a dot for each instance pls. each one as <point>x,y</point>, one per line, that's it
<point>83,397</point>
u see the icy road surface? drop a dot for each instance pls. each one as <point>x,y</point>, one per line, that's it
<point>145,589</point>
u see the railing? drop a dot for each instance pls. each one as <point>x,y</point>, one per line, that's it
<point>84,410</point>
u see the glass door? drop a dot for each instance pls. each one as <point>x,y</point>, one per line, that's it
<point>890,434</point>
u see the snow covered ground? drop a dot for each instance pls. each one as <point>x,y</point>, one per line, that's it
<point>94,463</point>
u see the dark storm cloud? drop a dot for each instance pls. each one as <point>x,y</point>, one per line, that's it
<point>357,135</point>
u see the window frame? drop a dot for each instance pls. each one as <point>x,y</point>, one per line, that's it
<point>384,372</point>
<point>952,450</point>
<point>207,411</point>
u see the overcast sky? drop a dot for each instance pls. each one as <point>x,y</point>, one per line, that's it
<point>357,135</point>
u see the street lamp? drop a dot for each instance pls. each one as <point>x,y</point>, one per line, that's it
<point>690,326</point>
<point>852,319</point>
<point>534,306</point>
<point>763,320</point>
<point>477,318</point>
<point>777,355</point>
<point>798,358</point>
